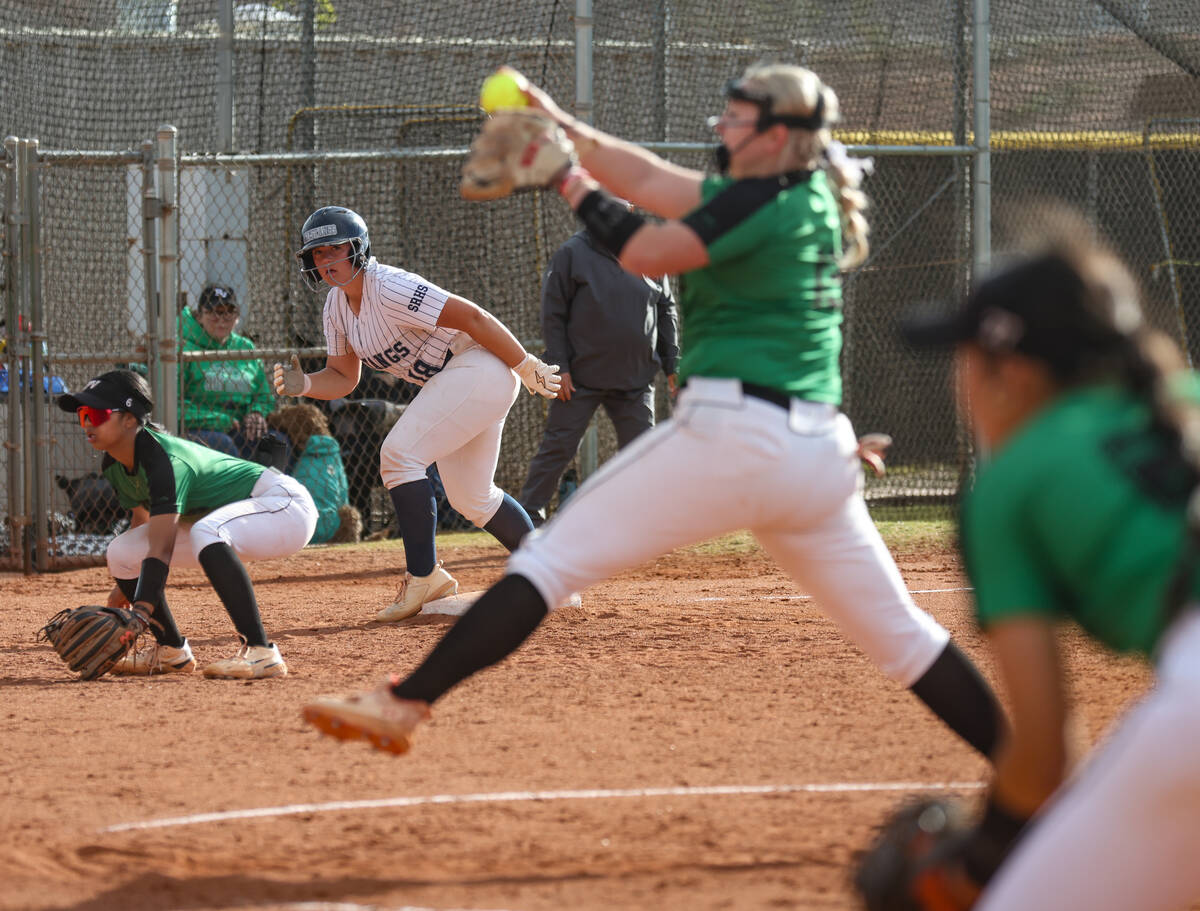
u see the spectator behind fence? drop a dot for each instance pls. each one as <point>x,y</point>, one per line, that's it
<point>611,331</point>
<point>319,467</point>
<point>224,404</point>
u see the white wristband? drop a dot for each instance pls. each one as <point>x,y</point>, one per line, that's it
<point>307,384</point>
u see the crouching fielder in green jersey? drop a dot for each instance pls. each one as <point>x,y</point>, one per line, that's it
<point>191,506</point>
<point>756,441</point>
<point>1086,507</point>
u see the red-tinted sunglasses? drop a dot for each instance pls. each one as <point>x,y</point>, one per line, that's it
<point>97,416</point>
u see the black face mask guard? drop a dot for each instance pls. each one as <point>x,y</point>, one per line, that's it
<point>735,90</point>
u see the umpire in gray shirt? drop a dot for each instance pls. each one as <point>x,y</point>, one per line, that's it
<point>610,332</point>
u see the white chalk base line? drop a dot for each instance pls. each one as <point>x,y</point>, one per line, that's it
<point>916,591</point>
<point>338,806</point>
<point>457,605</point>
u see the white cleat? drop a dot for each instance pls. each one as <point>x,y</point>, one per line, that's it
<point>252,662</point>
<point>376,716</point>
<point>416,591</point>
<point>157,659</point>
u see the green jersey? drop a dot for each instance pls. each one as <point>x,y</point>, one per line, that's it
<point>767,309</point>
<point>214,394</point>
<point>171,475</point>
<point>1080,514</point>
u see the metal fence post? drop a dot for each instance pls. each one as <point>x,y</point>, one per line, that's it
<point>585,98</point>
<point>12,317</point>
<point>225,75</point>
<point>36,383</point>
<point>151,210</point>
<point>983,138</point>
<point>167,396</point>
<point>21,378</point>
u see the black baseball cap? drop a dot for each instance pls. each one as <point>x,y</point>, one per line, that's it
<point>1038,306</point>
<point>216,296</point>
<point>112,390</point>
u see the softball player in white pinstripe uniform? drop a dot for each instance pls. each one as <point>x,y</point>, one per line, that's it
<point>469,365</point>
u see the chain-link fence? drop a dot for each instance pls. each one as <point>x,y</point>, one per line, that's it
<point>284,106</point>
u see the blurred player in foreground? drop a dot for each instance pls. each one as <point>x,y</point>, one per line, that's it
<point>469,367</point>
<point>756,441</point>
<point>192,506</point>
<point>1087,508</point>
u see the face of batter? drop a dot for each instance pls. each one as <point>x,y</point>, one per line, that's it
<point>335,266</point>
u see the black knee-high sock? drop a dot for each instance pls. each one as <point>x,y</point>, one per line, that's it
<point>416,516</point>
<point>957,693</point>
<point>489,632</point>
<point>164,629</point>
<point>232,584</point>
<point>510,524</point>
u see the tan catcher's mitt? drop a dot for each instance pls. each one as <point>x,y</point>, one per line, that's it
<point>92,639</point>
<point>516,150</point>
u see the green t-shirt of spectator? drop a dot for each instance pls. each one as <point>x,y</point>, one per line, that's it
<point>215,394</point>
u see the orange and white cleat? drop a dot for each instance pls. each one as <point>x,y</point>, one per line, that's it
<point>376,716</point>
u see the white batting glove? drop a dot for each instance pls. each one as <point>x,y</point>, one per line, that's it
<point>291,380</point>
<point>539,377</point>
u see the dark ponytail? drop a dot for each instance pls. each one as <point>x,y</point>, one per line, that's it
<point>1118,346</point>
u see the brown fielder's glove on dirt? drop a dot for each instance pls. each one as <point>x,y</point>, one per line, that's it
<point>516,150</point>
<point>92,639</point>
<point>913,864</point>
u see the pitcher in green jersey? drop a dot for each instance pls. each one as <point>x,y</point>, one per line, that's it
<point>757,440</point>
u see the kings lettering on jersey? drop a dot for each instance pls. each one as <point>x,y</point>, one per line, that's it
<point>419,372</point>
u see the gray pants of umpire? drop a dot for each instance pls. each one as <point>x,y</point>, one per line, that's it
<point>632,413</point>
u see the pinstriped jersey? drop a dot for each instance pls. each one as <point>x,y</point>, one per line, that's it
<point>396,328</point>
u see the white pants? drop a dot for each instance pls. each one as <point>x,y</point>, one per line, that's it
<point>1125,835</point>
<point>278,519</point>
<point>724,462</point>
<point>456,421</point>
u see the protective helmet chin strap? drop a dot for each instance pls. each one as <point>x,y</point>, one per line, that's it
<point>354,255</point>
<point>313,278</point>
<point>722,156</point>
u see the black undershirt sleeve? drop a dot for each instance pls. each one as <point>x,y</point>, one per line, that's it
<point>737,202</point>
<point>149,455</point>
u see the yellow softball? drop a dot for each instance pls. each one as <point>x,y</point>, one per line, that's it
<point>503,89</point>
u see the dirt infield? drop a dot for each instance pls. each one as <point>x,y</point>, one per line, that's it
<point>694,736</point>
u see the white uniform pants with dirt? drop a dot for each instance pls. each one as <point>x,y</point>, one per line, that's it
<point>277,519</point>
<point>456,421</point>
<point>1125,834</point>
<point>726,461</point>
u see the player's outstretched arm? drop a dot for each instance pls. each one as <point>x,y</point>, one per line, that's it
<point>648,181</point>
<point>465,316</point>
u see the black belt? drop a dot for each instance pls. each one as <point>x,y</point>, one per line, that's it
<point>767,394</point>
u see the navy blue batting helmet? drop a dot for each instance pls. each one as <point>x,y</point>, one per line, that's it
<point>330,226</point>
